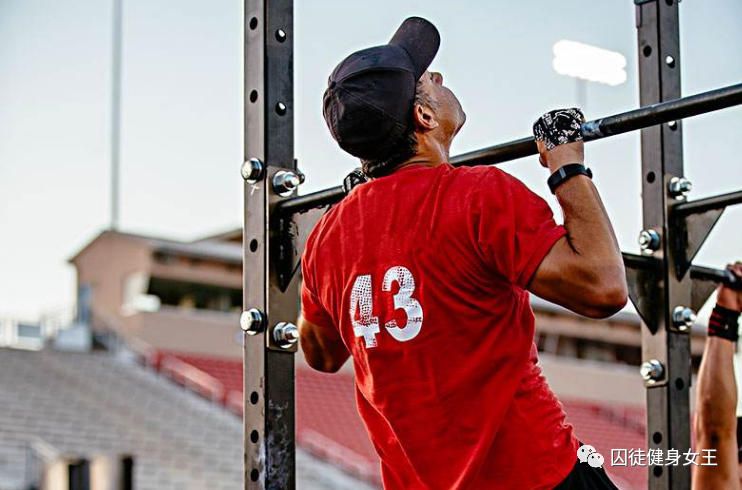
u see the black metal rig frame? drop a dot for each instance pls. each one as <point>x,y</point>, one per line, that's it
<point>663,284</point>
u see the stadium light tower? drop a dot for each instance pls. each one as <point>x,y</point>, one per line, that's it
<point>587,63</point>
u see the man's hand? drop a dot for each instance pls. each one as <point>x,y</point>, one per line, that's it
<point>561,155</point>
<point>559,138</point>
<point>729,298</point>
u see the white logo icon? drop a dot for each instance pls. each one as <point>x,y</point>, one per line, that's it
<point>595,460</point>
<point>584,452</point>
<point>588,454</point>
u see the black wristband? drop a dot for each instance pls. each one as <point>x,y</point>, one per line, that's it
<point>565,173</point>
<point>724,323</point>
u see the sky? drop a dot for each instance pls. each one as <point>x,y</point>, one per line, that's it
<point>181,133</point>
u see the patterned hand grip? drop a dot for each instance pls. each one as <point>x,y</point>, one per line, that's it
<point>559,127</point>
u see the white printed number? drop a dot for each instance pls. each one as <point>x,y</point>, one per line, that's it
<point>360,297</point>
<point>368,325</point>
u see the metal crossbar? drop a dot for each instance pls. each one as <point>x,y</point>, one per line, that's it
<point>641,118</point>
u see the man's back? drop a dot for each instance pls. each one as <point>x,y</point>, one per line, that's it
<point>423,272</point>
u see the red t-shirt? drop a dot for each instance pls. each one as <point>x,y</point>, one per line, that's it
<point>423,274</point>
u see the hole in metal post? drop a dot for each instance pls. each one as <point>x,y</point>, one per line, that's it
<point>281,109</point>
<point>280,35</point>
<point>254,436</point>
<point>657,437</point>
<point>254,96</point>
<point>253,245</point>
<point>254,397</point>
<point>669,2</point>
<point>657,471</point>
<point>254,475</point>
<point>254,23</point>
<point>647,50</point>
<point>679,383</point>
<point>650,177</point>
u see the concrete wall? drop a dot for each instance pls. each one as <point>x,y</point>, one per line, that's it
<point>192,331</point>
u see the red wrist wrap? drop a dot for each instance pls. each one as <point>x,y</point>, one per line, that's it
<point>724,323</point>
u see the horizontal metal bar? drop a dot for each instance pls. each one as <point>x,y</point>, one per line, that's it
<point>306,202</point>
<point>643,117</point>
<point>503,152</point>
<point>725,277</point>
<point>635,261</point>
<point>721,276</point>
<point>708,204</point>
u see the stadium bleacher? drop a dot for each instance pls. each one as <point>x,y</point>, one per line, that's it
<point>342,439</point>
<point>84,404</point>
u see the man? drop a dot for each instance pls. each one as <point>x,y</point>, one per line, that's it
<point>422,274</point>
<point>716,426</point>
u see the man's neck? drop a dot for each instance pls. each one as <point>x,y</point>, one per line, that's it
<point>419,161</point>
<point>429,155</point>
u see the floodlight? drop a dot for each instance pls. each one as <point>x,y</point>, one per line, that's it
<point>590,63</point>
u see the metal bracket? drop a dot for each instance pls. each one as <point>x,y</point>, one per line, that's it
<point>702,290</point>
<point>644,279</point>
<point>285,251</point>
<point>692,222</point>
<point>691,232</point>
<point>283,236</point>
<point>283,255</point>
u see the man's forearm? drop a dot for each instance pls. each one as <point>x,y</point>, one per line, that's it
<point>590,233</point>
<point>715,426</point>
<point>584,271</point>
<point>717,391</point>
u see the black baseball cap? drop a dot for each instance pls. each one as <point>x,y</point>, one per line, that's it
<point>370,95</point>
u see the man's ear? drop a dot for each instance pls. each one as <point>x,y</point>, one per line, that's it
<point>425,119</point>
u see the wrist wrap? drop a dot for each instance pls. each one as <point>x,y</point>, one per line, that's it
<point>559,127</point>
<point>724,323</point>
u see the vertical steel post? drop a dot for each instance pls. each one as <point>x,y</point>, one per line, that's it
<point>663,340</point>
<point>269,148</point>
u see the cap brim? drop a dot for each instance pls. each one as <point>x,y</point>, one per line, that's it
<point>421,40</point>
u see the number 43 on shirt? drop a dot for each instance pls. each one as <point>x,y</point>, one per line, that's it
<point>367,326</point>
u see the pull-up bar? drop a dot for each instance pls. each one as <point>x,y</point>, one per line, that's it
<point>644,117</point>
<point>718,276</point>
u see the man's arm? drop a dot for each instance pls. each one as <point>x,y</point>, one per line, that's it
<point>716,421</point>
<point>584,270</point>
<point>323,347</point>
